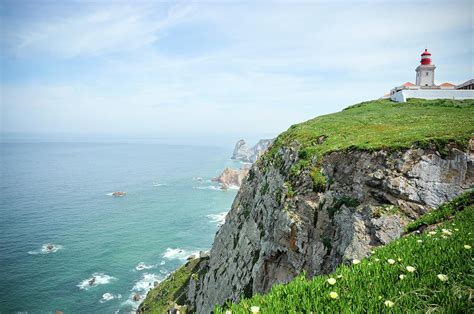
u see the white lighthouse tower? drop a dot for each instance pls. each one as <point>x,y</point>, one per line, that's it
<point>425,71</point>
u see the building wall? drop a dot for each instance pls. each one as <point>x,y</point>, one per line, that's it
<point>403,95</point>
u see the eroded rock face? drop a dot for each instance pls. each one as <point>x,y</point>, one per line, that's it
<point>248,154</point>
<point>279,226</point>
<point>232,177</point>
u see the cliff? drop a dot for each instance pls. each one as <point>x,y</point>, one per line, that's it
<point>331,189</point>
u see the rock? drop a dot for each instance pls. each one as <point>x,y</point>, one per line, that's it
<point>119,193</point>
<point>92,281</point>
<point>231,177</point>
<point>50,247</point>
<point>243,153</point>
<point>136,297</point>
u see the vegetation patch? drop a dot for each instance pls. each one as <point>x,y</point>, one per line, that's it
<point>443,212</point>
<point>264,188</point>
<point>290,193</point>
<point>419,273</point>
<point>385,210</point>
<point>379,124</point>
<point>319,180</point>
<point>172,289</point>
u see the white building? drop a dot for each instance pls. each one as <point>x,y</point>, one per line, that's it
<point>426,88</point>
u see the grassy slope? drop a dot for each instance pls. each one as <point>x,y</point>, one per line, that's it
<point>367,286</point>
<point>383,124</point>
<point>161,298</point>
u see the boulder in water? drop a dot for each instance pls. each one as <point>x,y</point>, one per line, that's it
<point>91,281</point>
<point>119,193</point>
<point>136,297</point>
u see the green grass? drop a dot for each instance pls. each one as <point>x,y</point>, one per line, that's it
<point>442,213</point>
<point>170,291</point>
<point>380,124</point>
<point>365,287</point>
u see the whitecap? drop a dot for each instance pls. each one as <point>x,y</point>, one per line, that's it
<point>233,187</point>
<point>197,179</point>
<point>95,280</point>
<point>209,187</point>
<point>159,184</point>
<point>109,296</point>
<point>47,248</point>
<point>142,266</point>
<point>219,218</point>
<point>162,263</point>
<point>175,254</point>
<point>146,282</point>
<point>178,253</point>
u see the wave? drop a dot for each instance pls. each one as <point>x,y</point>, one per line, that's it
<point>109,296</point>
<point>147,282</point>
<point>209,187</point>
<point>159,184</point>
<point>141,287</point>
<point>95,280</point>
<point>219,218</point>
<point>142,266</point>
<point>178,254</point>
<point>47,248</point>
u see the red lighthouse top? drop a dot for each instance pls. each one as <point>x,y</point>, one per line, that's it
<point>425,57</point>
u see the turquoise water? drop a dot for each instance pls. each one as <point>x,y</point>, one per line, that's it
<point>59,193</point>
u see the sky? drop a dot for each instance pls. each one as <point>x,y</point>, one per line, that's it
<point>206,69</point>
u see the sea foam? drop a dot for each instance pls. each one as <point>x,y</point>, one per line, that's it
<point>142,266</point>
<point>209,187</point>
<point>45,250</point>
<point>146,282</point>
<point>178,254</point>
<point>109,296</point>
<point>218,219</point>
<point>100,279</point>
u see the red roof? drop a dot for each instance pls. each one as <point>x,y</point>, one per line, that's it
<point>408,84</point>
<point>447,84</point>
<point>426,53</point>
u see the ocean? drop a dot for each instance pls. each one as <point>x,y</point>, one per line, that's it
<point>60,194</point>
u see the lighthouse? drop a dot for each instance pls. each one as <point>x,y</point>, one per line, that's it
<point>425,71</point>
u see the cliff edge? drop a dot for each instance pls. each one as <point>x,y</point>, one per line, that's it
<point>331,189</point>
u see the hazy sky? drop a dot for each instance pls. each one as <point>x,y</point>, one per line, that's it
<point>192,68</point>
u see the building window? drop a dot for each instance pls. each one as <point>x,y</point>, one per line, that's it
<point>426,73</point>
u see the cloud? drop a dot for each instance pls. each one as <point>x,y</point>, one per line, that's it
<point>97,30</point>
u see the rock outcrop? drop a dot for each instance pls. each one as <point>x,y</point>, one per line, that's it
<point>250,154</point>
<point>232,177</point>
<point>283,222</point>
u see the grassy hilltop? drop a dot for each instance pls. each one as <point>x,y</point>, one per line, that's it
<point>379,124</point>
<point>384,124</point>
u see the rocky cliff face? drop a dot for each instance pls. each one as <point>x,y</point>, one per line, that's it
<point>283,221</point>
<point>245,153</point>
<point>232,177</point>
